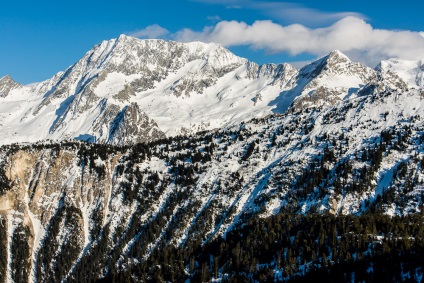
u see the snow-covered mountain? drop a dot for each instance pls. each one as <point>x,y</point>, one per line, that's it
<point>411,72</point>
<point>7,84</point>
<point>180,88</point>
<point>329,80</point>
<point>334,138</point>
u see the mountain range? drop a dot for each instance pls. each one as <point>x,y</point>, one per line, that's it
<point>170,88</point>
<point>203,166</point>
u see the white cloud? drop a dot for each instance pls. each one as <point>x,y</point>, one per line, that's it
<point>152,31</point>
<point>287,12</point>
<point>295,13</point>
<point>351,35</point>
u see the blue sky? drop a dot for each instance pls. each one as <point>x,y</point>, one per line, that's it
<point>40,38</point>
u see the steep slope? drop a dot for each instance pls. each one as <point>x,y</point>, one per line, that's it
<point>412,72</point>
<point>102,209</point>
<point>7,84</point>
<point>133,126</point>
<point>183,87</point>
<point>327,81</point>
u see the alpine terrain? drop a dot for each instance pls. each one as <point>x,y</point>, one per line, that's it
<point>160,161</point>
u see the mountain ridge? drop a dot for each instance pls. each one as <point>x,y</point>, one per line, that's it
<point>102,74</point>
<point>182,87</point>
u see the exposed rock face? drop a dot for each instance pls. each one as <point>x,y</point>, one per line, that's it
<point>281,73</point>
<point>50,192</point>
<point>383,84</point>
<point>133,126</point>
<point>411,72</point>
<point>181,88</point>
<point>6,85</point>
<point>329,80</point>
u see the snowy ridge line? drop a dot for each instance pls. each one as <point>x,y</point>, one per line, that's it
<point>200,87</point>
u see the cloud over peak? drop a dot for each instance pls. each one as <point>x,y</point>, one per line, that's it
<point>351,35</point>
<point>287,12</point>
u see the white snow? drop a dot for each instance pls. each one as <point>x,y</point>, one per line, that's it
<point>412,72</point>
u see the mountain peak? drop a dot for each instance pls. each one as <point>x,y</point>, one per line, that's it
<point>330,79</point>
<point>333,62</point>
<point>148,52</point>
<point>338,54</point>
<point>124,37</point>
<point>132,125</point>
<point>6,78</point>
<point>6,85</point>
<point>336,57</point>
<point>153,42</point>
